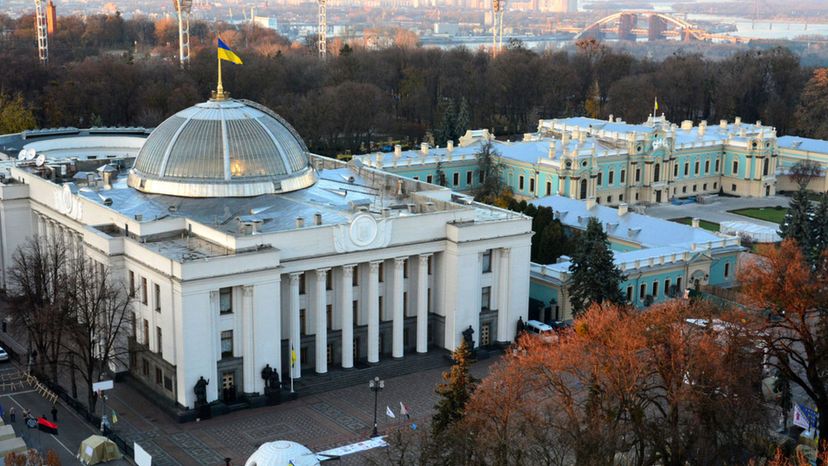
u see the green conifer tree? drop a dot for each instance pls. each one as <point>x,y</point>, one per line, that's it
<point>819,229</point>
<point>797,222</point>
<point>455,392</point>
<point>463,119</point>
<point>595,277</point>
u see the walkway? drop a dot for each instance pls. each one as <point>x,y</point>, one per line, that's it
<point>717,211</point>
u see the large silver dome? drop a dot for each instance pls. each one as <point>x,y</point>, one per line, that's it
<point>222,148</point>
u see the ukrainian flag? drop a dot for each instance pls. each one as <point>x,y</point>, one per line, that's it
<point>224,53</point>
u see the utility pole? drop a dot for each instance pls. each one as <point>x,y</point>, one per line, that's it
<point>42,28</point>
<point>322,29</point>
<point>183,8</point>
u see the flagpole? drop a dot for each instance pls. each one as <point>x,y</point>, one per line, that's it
<point>220,88</point>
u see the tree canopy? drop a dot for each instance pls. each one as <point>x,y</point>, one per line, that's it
<point>594,276</point>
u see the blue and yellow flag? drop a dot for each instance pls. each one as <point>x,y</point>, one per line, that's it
<point>224,53</point>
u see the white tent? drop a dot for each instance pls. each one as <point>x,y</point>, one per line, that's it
<point>281,453</point>
<point>756,233</point>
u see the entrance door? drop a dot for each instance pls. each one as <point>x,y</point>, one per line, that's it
<point>356,348</point>
<point>228,386</point>
<point>658,196</point>
<point>485,335</point>
<point>767,190</point>
<point>583,189</point>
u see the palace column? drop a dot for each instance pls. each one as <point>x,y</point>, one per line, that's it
<point>503,331</point>
<point>346,306</point>
<point>373,312</point>
<point>397,309</point>
<point>422,303</point>
<point>295,331</point>
<point>248,341</point>
<point>319,310</point>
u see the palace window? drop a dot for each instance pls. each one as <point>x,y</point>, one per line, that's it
<point>429,179</point>
<point>226,301</point>
<point>157,295</point>
<point>455,179</point>
<point>765,167</point>
<point>629,293</point>
<point>686,168</point>
<point>735,167</point>
<point>469,177</point>
<point>696,168</point>
<point>678,283</point>
<point>520,183</point>
<point>657,172</point>
<point>611,177</point>
<point>548,188</point>
<point>715,185</point>
<point>609,199</point>
<point>707,166</point>
<point>487,261</point>
<point>637,175</point>
<point>227,344</point>
<point>623,176</point>
<point>727,269</point>
<point>486,298</point>
<point>675,171</point>
<point>416,178</point>
<point>600,178</point>
<point>642,291</point>
<point>655,289</point>
<point>694,188</point>
<point>733,187</point>
<point>667,287</point>
<point>704,187</point>
<point>620,198</point>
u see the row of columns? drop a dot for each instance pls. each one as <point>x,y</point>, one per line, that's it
<point>318,303</point>
<point>56,233</point>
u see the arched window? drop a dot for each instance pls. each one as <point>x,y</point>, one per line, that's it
<point>583,189</point>
<point>657,172</point>
<point>765,166</point>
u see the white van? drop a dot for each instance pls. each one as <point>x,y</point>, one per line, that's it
<point>536,327</point>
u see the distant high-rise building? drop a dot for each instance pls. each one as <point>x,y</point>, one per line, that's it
<point>51,18</point>
<point>558,6</point>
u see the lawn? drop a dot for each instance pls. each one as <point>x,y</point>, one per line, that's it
<point>702,223</point>
<point>768,214</point>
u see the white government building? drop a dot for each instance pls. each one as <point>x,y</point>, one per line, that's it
<point>239,245</point>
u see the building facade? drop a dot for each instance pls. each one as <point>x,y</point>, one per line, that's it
<point>238,246</point>
<point>609,160</point>
<point>659,258</point>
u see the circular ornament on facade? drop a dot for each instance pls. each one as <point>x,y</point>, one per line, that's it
<point>363,230</point>
<point>67,199</point>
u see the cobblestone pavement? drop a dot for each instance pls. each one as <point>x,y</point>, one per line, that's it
<point>717,211</point>
<point>320,422</point>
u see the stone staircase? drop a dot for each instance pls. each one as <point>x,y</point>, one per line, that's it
<point>311,383</point>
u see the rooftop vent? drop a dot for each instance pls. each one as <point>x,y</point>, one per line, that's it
<point>300,222</point>
<point>317,218</point>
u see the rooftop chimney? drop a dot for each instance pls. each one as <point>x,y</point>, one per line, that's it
<point>623,208</point>
<point>450,146</point>
<point>590,203</point>
<point>723,124</point>
<point>397,151</point>
<point>552,149</point>
<point>300,222</point>
<point>695,222</point>
<point>737,121</point>
<point>317,218</point>
<point>424,148</point>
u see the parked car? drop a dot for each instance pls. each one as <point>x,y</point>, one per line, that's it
<point>4,356</point>
<point>545,331</point>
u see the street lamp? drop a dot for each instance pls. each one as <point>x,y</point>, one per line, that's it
<point>375,385</point>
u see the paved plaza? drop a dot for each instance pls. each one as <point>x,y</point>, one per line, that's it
<point>320,422</point>
<point>717,211</point>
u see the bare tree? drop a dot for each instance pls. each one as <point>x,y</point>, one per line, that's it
<point>38,288</point>
<point>99,306</point>
<point>803,172</point>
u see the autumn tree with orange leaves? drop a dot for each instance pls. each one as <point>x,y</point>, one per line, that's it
<point>781,281</point>
<point>642,388</point>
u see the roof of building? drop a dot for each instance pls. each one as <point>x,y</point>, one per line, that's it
<point>803,144</point>
<point>281,453</point>
<point>222,148</point>
<point>646,231</point>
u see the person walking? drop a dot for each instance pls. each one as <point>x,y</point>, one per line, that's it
<point>12,414</point>
<point>54,413</point>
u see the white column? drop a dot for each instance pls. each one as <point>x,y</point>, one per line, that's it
<point>346,309</point>
<point>248,341</point>
<point>319,304</point>
<point>267,330</point>
<point>422,303</point>
<point>397,348</point>
<point>373,312</point>
<point>295,333</point>
<point>504,333</point>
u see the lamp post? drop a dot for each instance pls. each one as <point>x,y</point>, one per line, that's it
<point>375,385</point>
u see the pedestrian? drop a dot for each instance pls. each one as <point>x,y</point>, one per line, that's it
<point>12,414</point>
<point>54,413</point>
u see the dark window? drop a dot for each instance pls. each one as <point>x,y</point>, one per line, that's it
<point>355,276</point>
<point>302,321</point>
<point>146,333</point>
<point>486,298</point>
<point>168,383</point>
<point>667,287</point>
<point>487,261</point>
<point>600,178</point>
<point>678,283</point>
<point>733,187</point>
<point>686,168</point>
<point>684,189</point>
<point>765,167</point>
<point>159,376</point>
<point>611,177</point>
<point>694,188</point>
<point>226,301</point>
<point>405,303</point>
<point>227,344</point>
<point>623,176</point>
<point>548,188</point>
<point>655,289</point>
<point>469,177</point>
<point>131,284</point>
<point>704,187</point>
<point>531,185</point>
<point>157,292</point>
<point>715,185</point>
<point>456,179</point>
<point>355,306</point>
<point>429,264</point>
<point>429,179</point>
<point>145,367</point>
<point>707,166</point>
<point>696,168</point>
<point>381,272</point>
<point>405,268</point>
<point>735,167</point>
<point>642,291</point>
<point>302,283</point>
<point>329,315</point>
<point>637,175</point>
<point>657,172</point>
<point>717,165</point>
<point>609,199</point>
<point>520,183</point>
<point>329,279</point>
<point>675,171</point>
<point>727,270</point>
<point>144,291</point>
<point>629,294</point>
<point>620,198</point>
<point>159,346</point>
